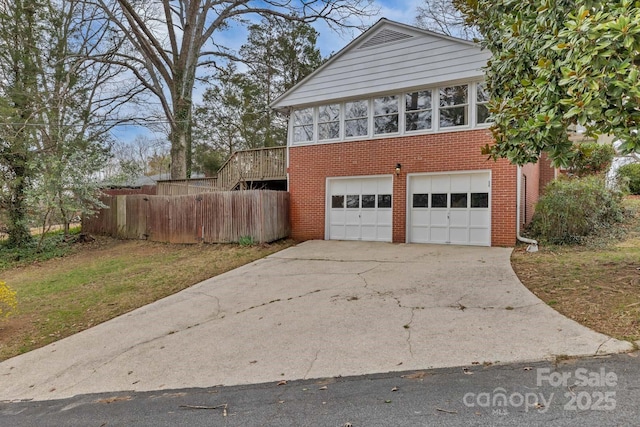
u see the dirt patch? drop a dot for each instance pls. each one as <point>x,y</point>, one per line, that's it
<point>599,289</point>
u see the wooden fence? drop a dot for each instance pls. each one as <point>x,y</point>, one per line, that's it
<point>220,217</point>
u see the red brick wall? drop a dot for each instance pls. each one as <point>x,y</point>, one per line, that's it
<point>309,166</point>
<point>547,172</point>
<point>530,191</point>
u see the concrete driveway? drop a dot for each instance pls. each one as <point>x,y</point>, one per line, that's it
<point>320,309</point>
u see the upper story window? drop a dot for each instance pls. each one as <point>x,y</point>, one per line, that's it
<point>482,99</point>
<point>329,122</point>
<point>435,109</point>
<point>418,110</point>
<point>454,106</point>
<point>303,125</point>
<point>356,118</point>
<point>385,114</point>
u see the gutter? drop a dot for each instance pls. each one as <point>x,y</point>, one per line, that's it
<point>533,244</point>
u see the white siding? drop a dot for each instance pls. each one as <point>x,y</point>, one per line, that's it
<point>424,59</point>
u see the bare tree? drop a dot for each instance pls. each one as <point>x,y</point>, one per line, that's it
<point>170,40</point>
<point>442,17</point>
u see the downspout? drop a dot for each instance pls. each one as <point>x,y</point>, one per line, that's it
<point>533,244</point>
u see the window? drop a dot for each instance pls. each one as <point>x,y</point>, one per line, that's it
<point>353,201</point>
<point>356,122</point>
<point>368,201</point>
<point>385,114</point>
<point>420,200</point>
<point>337,202</point>
<point>459,200</point>
<point>417,110</point>
<point>454,107</point>
<point>329,122</point>
<point>439,200</point>
<point>482,98</point>
<point>303,125</point>
<point>479,200</point>
<point>384,200</point>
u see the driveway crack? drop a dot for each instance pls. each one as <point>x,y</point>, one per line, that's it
<point>278,300</point>
<point>315,359</point>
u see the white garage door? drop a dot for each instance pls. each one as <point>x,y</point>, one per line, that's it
<point>450,209</point>
<point>360,208</point>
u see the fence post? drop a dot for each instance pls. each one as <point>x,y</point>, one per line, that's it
<point>121,216</point>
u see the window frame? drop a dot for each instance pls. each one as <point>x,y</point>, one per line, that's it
<point>338,120</point>
<point>406,111</point>
<point>345,119</point>
<point>477,103</point>
<point>314,137</point>
<point>466,106</point>
<point>374,116</point>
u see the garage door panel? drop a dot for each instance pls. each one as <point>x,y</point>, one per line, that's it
<point>421,218</point>
<point>479,218</point>
<point>479,236</point>
<point>439,218</point>
<point>480,185</point>
<point>440,184</point>
<point>459,236</point>
<point>460,183</point>
<point>439,235</point>
<point>459,218</point>
<point>369,217</point>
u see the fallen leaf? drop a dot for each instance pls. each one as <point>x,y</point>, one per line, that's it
<point>415,376</point>
<point>395,389</point>
<point>527,368</point>
<point>467,371</point>
<point>324,387</point>
<point>114,399</point>
<point>283,382</point>
<point>475,363</point>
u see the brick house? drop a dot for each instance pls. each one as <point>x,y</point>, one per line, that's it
<point>384,145</point>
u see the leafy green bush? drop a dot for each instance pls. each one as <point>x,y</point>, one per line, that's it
<point>53,245</point>
<point>574,208</point>
<point>590,158</point>
<point>629,177</point>
<point>246,241</point>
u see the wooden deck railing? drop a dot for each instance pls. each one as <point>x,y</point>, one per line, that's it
<point>260,164</point>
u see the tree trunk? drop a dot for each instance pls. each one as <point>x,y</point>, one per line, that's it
<point>180,138</point>
<point>19,234</point>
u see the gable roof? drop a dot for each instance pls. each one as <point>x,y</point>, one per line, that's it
<point>389,56</point>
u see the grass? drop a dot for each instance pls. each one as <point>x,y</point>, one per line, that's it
<point>66,288</point>
<point>596,284</point>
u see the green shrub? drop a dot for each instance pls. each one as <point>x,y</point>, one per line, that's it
<point>246,241</point>
<point>574,208</point>
<point>590,158</point>
<point>629,177</point>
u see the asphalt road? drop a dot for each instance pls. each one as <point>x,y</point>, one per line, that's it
<point>602,391</point>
